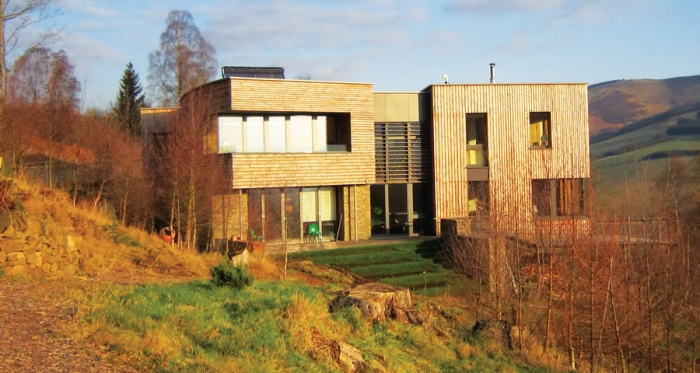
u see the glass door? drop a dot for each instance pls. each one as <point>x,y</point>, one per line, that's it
<point>398,209</point>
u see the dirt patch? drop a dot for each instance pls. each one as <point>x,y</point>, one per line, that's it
<point>33,314</point>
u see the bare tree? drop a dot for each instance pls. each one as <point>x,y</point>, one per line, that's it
<point>30,73</point>
<point>42,87</point>
<point>17,16</point>
<point>185,59</point>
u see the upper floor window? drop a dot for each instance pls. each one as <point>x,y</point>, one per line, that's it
<point>477,140</point>
<point>540,130</point>
<point>296,133</point>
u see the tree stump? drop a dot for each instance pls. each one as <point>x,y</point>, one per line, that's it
<point>379,301</point>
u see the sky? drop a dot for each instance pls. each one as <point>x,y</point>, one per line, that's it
<point>396,45</point>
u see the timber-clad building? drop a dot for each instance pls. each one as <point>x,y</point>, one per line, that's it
<point>326,161</point>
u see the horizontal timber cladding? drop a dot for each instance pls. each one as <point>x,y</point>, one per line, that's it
<point>512,162</point>
<point>262,170</point>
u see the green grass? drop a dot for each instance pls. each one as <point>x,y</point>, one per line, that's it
<point>396,269</point>
<point>630,166</point>
<point>341,252</point>
<point>421,280</point>
<point>363,258</point>
<point>273,326</point>
<point>410,264</point>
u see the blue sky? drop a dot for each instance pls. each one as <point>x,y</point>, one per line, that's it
<point>397,45</point>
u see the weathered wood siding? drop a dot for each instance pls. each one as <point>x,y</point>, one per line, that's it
<point>512,164</point>
<point>155,120</point>
<point>261,170</point>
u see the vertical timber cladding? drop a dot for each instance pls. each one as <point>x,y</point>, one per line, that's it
<point>512,164</point>
<point>230,213</point>
<point>261,170</point>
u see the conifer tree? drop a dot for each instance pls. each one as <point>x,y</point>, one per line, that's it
<point>129,100</point>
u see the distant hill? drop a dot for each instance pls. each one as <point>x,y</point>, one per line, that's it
<point>614,104</point>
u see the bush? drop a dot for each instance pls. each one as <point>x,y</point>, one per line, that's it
<point>226,274</point>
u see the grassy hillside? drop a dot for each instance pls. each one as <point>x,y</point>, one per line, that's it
<point>413,264</point>
<point>615,104</point>
<point>642,123</point>
<point>107,249</point>
<point>142,305</point>
<point>641,150</point>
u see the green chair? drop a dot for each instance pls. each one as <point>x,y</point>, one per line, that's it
<point>313,234</point>
<point>253,237</point>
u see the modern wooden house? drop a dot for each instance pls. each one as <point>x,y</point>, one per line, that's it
<point>512,157</point>
<point>337,161</point>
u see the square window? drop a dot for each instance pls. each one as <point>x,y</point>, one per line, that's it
<point>540,130</point>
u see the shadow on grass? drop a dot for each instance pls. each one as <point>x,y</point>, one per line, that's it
<point>435,250</point>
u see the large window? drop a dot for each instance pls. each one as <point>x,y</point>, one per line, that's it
<point>540,130</point>
<point>276,138</point>
<point>294,133</point>
<point>254,135</point>
<point>318,206</point>
<point>301,133</point>
<point>477,140</point>
<point>230,134</point>
<point>558,197</point>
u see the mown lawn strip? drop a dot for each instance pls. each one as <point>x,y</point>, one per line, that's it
<point>418,280</point>
<point>364,259</point>
<point>395,269</point>
<point>302,255</point>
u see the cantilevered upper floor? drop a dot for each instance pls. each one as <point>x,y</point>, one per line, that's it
<point>290,132</point>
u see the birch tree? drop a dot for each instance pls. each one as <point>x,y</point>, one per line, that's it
<point>17,16</point>
<point>185,59</point>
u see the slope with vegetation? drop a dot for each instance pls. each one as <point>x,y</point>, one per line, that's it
<point>138,303</point>
<point>644,122</point>
<point>615,104</point>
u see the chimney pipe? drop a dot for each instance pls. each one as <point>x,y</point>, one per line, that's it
<point>493,73</point>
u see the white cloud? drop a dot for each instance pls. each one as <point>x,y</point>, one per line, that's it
<point>90,8</point>
<point>82,48</point>
<point>504,6</point>
<point>285,25</point>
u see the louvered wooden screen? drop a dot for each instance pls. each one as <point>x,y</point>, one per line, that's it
<point>402,151</point>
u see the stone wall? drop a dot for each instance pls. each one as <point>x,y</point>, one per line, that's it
<point>44,251</point>
<point>347,207</point>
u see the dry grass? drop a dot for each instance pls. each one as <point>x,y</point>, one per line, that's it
<point>108,249</point>
<point>263,269</point>
<point>309,324</point>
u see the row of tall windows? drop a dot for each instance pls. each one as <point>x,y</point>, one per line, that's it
<point>283,133</point>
